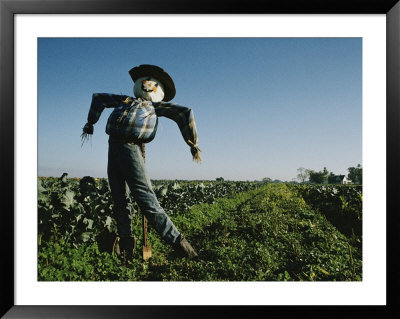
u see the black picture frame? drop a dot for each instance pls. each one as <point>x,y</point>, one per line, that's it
<point>8,8</point>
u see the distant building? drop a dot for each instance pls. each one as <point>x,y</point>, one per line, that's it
<point>340,179</point>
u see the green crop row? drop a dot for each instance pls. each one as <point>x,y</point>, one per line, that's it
<point>340,204</point>
<point>263,234</point>
<point>80,210</point>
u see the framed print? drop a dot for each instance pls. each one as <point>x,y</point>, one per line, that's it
<point>285,95</point>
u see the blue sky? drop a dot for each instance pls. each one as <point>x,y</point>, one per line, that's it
<point>263,106</point>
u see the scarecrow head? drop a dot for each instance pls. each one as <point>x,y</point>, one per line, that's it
<point>152,83</point>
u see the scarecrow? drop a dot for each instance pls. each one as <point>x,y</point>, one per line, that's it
<point>132,123</point>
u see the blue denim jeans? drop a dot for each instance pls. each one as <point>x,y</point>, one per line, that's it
<point>126,166</point>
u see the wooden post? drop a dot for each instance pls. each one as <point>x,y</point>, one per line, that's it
<point>146,247</point>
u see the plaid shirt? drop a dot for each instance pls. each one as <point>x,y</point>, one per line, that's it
<point>183,116</point>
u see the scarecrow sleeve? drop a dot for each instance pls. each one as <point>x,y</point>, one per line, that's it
<point>183,116</point>
<point>99,102</point>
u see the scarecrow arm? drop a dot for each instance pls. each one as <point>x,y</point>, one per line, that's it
<point>99,102</point>
<point>183,116</point>
<point>104,100</point>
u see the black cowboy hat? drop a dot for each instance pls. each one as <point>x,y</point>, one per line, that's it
<point>157,73</point>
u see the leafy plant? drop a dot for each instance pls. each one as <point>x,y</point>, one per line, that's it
<point>243,232</point>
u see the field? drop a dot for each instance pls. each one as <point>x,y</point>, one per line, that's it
<point>243,231</point>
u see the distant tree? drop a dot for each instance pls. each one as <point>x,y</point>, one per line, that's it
<point>313,176</point>
<point>266,180</point>
<point>318,177</point>
<point>355,174</point>
<point>331,178</point>
<point>303,174</point>
<point>219,179</point>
